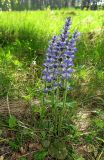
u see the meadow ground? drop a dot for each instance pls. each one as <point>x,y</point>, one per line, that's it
<point>24,39</point>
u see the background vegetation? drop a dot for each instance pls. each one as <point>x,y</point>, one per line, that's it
<point>25,38</point>
<point>7,5</point>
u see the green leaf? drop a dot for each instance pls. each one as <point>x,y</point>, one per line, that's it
<point>40,155</point>
<point>8,56</point>
<point>17,63</point>
<point>46,143</point>
<point>71,104</point>
<point>58,150</point>
<point>43,134</point>
<point>99,123</point>
<point>13,145</point>
<point>89,138</point>
<point>12,122</point>
<point>27,98</point>
<point>22,158</point>
<point>100,139</point>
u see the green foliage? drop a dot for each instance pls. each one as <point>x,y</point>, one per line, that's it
<point>14,145</point>
<point>8,65</point>
<point>58,150</point>
<point>99,123</point>
<point>22,158</point>
<point>12,122</point>
<point>40,155</point>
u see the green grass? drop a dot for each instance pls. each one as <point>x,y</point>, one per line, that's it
<point>26,34</point>
<point>36,28</point>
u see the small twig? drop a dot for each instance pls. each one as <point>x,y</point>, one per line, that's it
<point>21,124</point>
<point>2,140</point>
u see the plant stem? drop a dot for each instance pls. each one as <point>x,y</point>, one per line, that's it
<point>8,106</point>
<point>64,105</point>
<point>65,94</point>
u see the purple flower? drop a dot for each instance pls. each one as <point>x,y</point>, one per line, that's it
<point>58,64</point>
